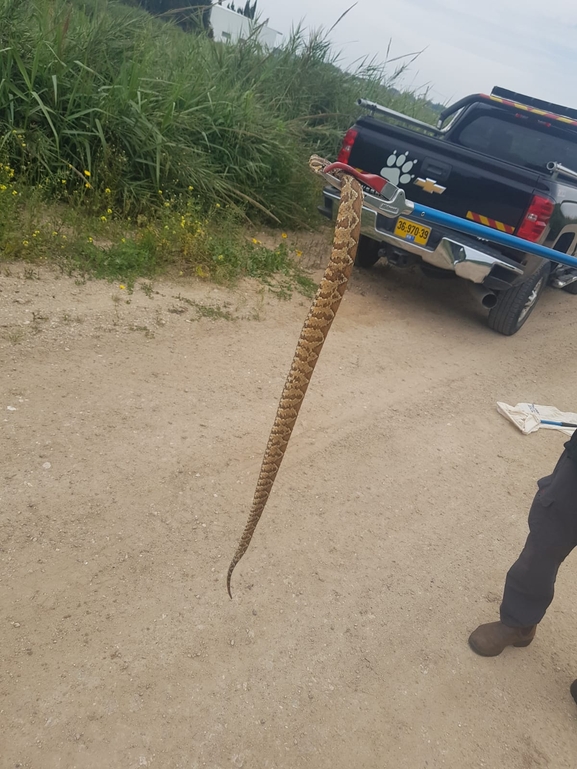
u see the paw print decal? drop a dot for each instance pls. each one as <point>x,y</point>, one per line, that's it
<point>398,168</point>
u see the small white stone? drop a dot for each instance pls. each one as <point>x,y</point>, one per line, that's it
<point>11,408</point>
<point>47,465</point>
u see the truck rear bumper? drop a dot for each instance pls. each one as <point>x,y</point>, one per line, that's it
<point>456,253</point>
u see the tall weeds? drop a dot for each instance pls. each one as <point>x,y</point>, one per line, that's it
<point>95,96</point>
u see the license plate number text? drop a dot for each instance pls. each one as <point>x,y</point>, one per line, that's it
<point>412,231</point>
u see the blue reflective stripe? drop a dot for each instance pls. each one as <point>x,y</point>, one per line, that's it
<point>432,216</point>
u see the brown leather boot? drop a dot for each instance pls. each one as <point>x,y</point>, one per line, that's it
<point>574,690</point>
<point>489,640</point>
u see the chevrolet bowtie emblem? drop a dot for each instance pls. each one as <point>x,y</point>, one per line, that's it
<point>430,185</point>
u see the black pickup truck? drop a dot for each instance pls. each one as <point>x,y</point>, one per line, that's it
<point>503,160</point>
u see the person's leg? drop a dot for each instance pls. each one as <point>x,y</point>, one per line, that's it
<point>530,582</point>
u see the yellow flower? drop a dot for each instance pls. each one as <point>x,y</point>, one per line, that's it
<point>88,186</point>
<point>167,204</point>
<point>90,240</point>
<point>299,254</point>
<point>54,232</point>
<point>14,192</point>
<point>64,237</point>
<point>160,192</point>
<point>3,187</point>
<point>24,242</point>
<point>122,287</point>
<point>256,242</point>
<point>190,187</point>
<point>220,257</point>
<point>63,181</point>
<point>102,218</point>
<point>123,240</point>
<point>23,144</point>
<point>284,235</point>
<point>218,205</point>
<point>108,210</point>
<point>107,191</point>
<point>86,173</point>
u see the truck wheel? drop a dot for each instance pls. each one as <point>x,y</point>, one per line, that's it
<point>367,253</point>
<point>514,306</point>
<point>571,288</point>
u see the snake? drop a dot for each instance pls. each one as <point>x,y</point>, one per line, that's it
<point>311,340</point>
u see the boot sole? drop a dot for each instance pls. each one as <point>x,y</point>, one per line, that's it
<point>521,644</point>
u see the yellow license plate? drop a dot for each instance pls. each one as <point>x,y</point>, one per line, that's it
<point>412,231</point>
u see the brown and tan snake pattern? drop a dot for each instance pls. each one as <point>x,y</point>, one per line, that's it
<point>312,337</point>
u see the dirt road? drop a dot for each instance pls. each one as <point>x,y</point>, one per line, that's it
<point>132,428</point>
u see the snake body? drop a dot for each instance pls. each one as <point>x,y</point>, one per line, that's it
<point>312,337</point>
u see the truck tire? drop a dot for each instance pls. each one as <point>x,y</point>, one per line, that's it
<point>514,306</point>
<point>571,288</point>
<point>367,253</point>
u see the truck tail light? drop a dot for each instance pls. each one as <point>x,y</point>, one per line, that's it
<point>347,145</point>
<point>536,219</point>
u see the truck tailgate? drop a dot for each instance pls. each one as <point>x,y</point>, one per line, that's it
<point>476,185</point>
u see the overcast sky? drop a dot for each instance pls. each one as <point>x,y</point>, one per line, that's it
<point>525,45</point>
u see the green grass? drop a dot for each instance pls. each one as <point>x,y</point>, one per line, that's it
<point>180,236</point>
<point>115,126</point>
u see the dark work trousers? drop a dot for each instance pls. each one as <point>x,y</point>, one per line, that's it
<point>530,582</point>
